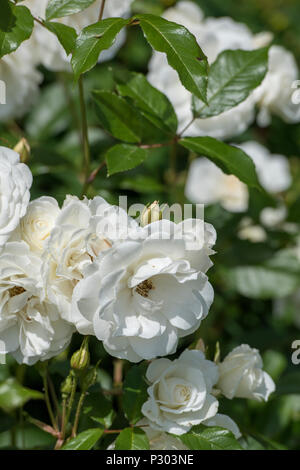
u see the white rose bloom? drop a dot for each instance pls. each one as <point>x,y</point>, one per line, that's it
<point>273,216</point>
<point>274,95</point>
<point>31,328</point>
<point>144,294</point>
<point>207,184</point>
<point>241,375</point>
<point>35,227</point>
<point>251,232</point>
<point>214,35</point>
<point>163,441</point>
<point>47,47</point>
<point>273,170</point>
<point>20,86</point>
<point>82,230</point>
<point>15,183</point>
<point>223,421</point>
<point>180,392</point>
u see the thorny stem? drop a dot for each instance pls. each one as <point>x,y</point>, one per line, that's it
<point>101,10</point>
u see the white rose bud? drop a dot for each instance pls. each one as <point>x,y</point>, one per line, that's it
<point>23,149</point>
<point>15,182</point>
<point>241,375</point>
<point>151,213</point>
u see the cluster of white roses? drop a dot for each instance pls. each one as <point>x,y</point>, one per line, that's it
<point>43,48</point>
<point>89,267</point>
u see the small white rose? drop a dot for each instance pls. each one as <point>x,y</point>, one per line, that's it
<point>82,230</point>
<point>180,392</point>
<point>273,216</point>
<point>241,375</point>
<point>36,225</point>
<point>20,90</point>
<point>273,170</point>
<point>207,184</point>
<point>15,183</point>
<point>31,328</point>
<point>274,95</point>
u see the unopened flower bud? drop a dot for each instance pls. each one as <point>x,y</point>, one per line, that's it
<point>81,358</point>
<point>150,214</point>
<point>23,149</point>
<point>67,385</point>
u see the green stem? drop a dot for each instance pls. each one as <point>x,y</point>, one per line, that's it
<point>84,124</point>
<point>101,10</point>
<point>71,400</point>
<point>77,414</point>
<point>53,393</point>
<point>48,403</point>
<point>187,126</point>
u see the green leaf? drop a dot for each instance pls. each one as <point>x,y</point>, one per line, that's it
<point>123,157</point>
<point>117,116</point>
<point>262,282</point>
<point>231,160</point>
<point>183,52</point>
<point>210,438</point>
<point>7,18</point>
<point>135,393</point>
<point>60,8</point>
<point>65,34</point>
<point>132,439</point>
<point>85,440</point>
<point>154,104</point>
<point>13,395</point>
<point>231,79</point>
<point>21,30</point>
<point>99,409</point>
<point>92,41</point>
<point>142,184</point>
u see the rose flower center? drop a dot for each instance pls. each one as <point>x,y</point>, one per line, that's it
<point>144,288</point>
<point>16,290</point>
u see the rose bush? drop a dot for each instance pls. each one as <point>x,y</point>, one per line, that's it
<point>136,319</point>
